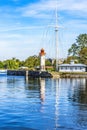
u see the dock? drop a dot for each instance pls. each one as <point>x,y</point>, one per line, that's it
<point>30,73</point>
<point>46,74</point>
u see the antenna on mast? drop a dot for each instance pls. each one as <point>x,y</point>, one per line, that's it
<point>56,36</point>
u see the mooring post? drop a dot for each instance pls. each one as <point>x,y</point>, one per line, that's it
<point>26,76</point>
<point>26,73</point>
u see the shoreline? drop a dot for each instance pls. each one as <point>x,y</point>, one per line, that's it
<point>47,74</point>
<point>69,74</point>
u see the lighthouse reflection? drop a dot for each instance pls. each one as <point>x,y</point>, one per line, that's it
<point>59,101</point>
<point>42,89</point>
<point>35,86</point>
<point>76,89</point>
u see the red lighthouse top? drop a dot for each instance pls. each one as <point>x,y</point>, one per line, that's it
<point>42,52</point>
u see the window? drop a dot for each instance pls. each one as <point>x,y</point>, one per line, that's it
<point>76,68</point>
<point>81,68</point>
<point>66,68</point>
<point>61,68</point>
<point>71,68</point>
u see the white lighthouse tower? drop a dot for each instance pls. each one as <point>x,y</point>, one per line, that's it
<point>42,60</point>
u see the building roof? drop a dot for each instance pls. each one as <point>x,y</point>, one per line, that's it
<point>72,65</point>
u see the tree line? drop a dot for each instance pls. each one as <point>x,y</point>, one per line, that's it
<point>78,50</point>
<point>31,62</point>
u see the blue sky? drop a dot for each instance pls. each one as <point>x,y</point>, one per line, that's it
<point>28,25</point>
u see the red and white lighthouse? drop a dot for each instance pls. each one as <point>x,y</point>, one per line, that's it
<point>42,59</point>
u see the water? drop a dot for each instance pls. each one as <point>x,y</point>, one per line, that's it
<point>43,104</point>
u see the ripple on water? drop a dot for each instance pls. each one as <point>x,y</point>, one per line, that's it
<point>43,104</point>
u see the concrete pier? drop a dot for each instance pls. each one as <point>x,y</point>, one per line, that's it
<point>45,74</point>
<point>16,72</point>
<point>34,74</point>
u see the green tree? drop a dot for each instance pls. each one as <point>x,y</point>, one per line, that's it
<point>83,55</point>
<point>1,65</point>
<point>32,61</point>
<point>69,58</point>
<point>21,63</point>
<point>48,62</point>
<point>11,64</point>
<point>73,50</point>
<point>81,42</point>
<point>79,48</point>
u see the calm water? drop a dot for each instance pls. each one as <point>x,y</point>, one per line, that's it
<point>43,104</point>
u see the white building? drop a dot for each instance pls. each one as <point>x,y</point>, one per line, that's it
<point>72,67</point>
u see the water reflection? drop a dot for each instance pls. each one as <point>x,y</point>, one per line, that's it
<point>64,98</point>
<point>38,84</point>
<point>53,104</point>
<point>78,97</point>
<point>57,104</point>
<point>79,90</point>
<point>42,89</point>
<point>75,89</point>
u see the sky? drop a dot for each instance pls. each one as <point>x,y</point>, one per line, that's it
<point>26,26</point>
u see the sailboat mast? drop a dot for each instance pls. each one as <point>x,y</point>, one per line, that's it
<point>56,37</point>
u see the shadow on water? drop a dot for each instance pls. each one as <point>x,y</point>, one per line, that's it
<point>77,95</point>
<point>79,91</point>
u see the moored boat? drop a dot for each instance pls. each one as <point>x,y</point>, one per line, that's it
<point>3,72</point>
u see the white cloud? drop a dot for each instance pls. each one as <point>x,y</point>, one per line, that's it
<point>41,8</point>
<point>16,28</point>
<point>25,38</point>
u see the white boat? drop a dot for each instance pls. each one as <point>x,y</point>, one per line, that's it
<point>3,72</point>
